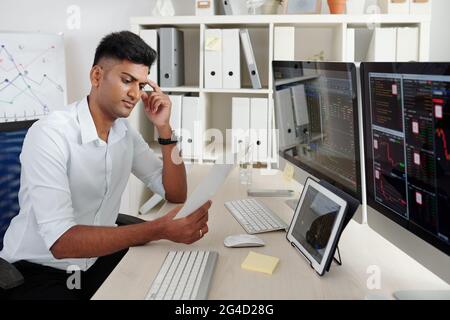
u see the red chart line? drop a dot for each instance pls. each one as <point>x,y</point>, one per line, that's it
<point>441,134</point>
<point>388,197</point>
<point>388,151</point>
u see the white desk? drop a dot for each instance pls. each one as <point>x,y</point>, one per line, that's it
<point>293,278</point>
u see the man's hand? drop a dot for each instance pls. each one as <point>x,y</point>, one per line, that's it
<point>157,106</point>
<point>187,229</point>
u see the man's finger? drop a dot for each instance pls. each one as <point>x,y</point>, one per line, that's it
<point>172,213</point>
<point>154,85</point>
<point>144,96</point>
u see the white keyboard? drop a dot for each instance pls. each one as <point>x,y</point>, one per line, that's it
<point>254,217</point>
<point>184,275</point>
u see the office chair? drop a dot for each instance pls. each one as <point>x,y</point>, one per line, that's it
<point>11,141</point>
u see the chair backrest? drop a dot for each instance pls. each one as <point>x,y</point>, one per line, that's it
<point>12,135</point>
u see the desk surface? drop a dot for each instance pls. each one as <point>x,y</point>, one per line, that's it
<point>363,252</point>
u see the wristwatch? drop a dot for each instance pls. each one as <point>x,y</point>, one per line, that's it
<point>172,140</point>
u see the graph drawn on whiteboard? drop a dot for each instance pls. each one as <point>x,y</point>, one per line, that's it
<point>32,75</point>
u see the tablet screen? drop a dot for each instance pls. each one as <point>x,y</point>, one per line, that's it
<point>316,218</point>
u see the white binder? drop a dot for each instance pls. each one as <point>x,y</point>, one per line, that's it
<point>240,122</point>
<point>420,7</point>
<point>213,58</point>
<point>250,58</point>
<point>300,105</point>
<point>259,125</point>
<point>193,121</point>
<point>383,45</point>
<point>285,118</point>
<point>284,43</point>
<point>350,50</point>
<point>407,44</point>
<point>226,5</point>
<point>394,6</point>
<point>175,115</point>
<point>151,38</point>
<point>231,59</point>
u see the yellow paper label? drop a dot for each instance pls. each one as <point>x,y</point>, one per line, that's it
<point>213,43</point>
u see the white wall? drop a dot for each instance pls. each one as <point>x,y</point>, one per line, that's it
<point>440,24</point>
<point>99,17</point>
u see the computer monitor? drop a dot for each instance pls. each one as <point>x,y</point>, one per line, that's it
<point>12,135</point>
<point>316,112</point>
<point>406,132</point>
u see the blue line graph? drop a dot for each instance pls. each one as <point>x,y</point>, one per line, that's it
<point>32,75</point>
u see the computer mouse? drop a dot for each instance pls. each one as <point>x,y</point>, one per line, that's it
<point>243,240</point>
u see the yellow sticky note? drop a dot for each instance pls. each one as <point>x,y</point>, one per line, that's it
<point>213,43</point>
<point>288,172</point>
<point>260,262</point>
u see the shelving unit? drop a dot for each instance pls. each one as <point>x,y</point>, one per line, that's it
<point>313,33</point>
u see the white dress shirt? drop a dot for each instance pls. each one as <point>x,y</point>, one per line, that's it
<point>71,177</point>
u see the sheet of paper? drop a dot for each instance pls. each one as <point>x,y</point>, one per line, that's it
<point>260,262</point>
<point>207,188</point>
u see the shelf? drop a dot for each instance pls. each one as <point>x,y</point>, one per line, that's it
<point>238,91</point>
<point>156,147</point>
<point>180,89</point>
<point>261,20</point>
<point>294,80</point>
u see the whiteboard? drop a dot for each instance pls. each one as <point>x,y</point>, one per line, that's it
<point>32,75</point>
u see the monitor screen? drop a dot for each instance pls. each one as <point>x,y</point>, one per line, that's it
<point>316,111</point>
<point>406,127</point>
<point>12,135</point>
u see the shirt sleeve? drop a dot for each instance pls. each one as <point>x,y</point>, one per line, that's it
<point>147,167</point>
<point>44,170</point>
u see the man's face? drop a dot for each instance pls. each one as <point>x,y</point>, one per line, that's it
<point>120,86</point>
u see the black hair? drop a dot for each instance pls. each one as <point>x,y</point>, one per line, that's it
<point>125,45</point>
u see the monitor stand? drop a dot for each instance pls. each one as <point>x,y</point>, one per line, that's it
<point>292,203</point>
<point>422,295</point>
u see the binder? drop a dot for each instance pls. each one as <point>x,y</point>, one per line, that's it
<point>285,118</point>
<point>175,115</point>
<point>226,5</point>
<point>259,125</point>
<point>213,58</point>
<point>394,6</point>
<point>407,44</point>
<point>240,123</point>
<point>231,59</point>
<point>420,7</point>
<point>383,45</point>
<point>193,121</point>
<point>350,47</point>
<point>151,38</point>
<point>300,105</point>
<point>250,58</point>
<point>284,43</point>
<point>171,57</point>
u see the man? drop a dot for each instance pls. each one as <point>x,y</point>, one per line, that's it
<point>75,166</point>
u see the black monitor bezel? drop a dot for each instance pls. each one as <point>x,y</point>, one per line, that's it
<point>331,66</point>
<point>16,125</point>
<point>419,68</point>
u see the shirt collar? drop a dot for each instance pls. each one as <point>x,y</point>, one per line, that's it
<point>87,125</point>
<point>88,129</point>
